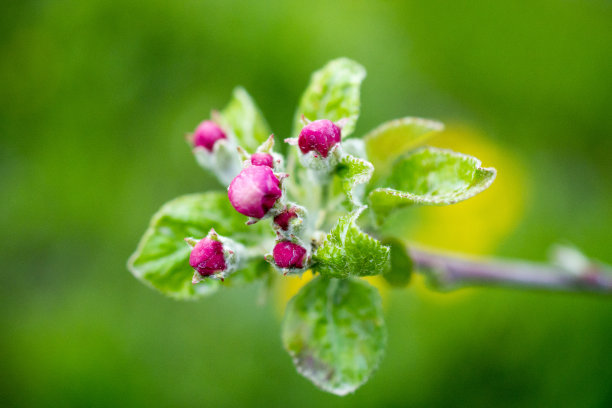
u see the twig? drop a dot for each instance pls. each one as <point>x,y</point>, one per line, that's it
<point>572,272</point>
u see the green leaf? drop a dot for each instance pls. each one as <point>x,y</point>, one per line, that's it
<point>347,251</point>
<point>245,120</point>
<point>431,176</point>
<point>353,172</point>
<point>333,93</point>
<point>335,332</point>
<point>394,138</point>
<point>399,272</point>
<point>162,258</point>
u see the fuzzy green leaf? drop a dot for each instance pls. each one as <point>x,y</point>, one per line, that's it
<point>347,251</point>
<point>354,172</point>
<point>335,332</point>
<point>431,176</point>
<point>162,258</point>
<point>394,138</point>
<point>245,120</point>
<point>333,93</point>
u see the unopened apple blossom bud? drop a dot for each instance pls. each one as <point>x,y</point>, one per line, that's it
<point>282,219</point>
<point>207,257</point>
<point>288,255</point>
<point>319,136</point>
<point>206,135</point>
<point>262,159</point>
<point>214,256</point>
<point>254,191</point>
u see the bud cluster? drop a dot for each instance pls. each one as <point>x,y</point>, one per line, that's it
<point>257,192</point>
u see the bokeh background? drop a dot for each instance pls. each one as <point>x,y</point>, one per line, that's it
<point>95,97</point>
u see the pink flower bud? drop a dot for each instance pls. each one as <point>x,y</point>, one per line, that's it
<point>207,257</point>
<point>320,136</point>
<point>289,255</point>
<point>262,159</point>
<point>282,219</point>
<point>206,135</point>
<point>254,191</point>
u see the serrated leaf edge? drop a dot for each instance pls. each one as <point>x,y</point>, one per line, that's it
<point>350,219</point>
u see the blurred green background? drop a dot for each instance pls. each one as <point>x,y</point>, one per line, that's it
<point>95,97</point>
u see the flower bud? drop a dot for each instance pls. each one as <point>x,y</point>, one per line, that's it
<point>214,256</point>
<point>288,255</point>
<point>207,257</point>
<point>320,136</point>
<point>254,191</point>
<point>282,219</point>
<point>262,159</point>
<point>206,135</point>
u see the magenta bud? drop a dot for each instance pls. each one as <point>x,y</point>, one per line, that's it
<point>282,219</point>
<point>320,136</point>
<point>206,135</point>
<point>262,159</point>
<point>289,255</point>
<point>254,191</point>
<point>207,257</point>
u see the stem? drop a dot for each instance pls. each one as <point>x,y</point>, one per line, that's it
<point>453,272</point>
